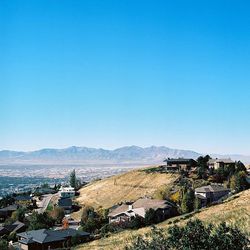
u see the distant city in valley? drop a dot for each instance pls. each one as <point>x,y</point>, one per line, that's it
<point>23,171</point>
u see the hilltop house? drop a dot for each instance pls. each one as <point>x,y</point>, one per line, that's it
<point>217,163</point>
<point>211,193</point>
<point>180,164</point>
<point>67,192</point>
<point>126,212</point>
<point>48,239</point>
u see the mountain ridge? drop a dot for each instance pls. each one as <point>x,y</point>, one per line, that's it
<point>123,155</point>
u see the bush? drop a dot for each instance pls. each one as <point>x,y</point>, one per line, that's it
<point>193,236</point>
<point>3,244</point>
<point>109,228</point>
<point>40,221</point>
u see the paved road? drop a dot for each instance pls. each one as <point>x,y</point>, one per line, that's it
<point>44,203</point>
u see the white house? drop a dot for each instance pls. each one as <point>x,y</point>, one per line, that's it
<point>67,192</point>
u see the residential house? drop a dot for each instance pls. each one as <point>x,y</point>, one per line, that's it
<point>7,211</point>
<point>67,192</point>
<point>126,212</point>
<point>66,204</point>
<point>217,163</point>
<point>16,227</point>
<point>44,239</point>
<point>211,193</point>
<point>180,164</point>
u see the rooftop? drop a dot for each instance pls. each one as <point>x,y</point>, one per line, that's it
<point>44,236</point>
<point>23,198</point>
<point>140,206</point>
<point>65,202</point>
<point>211,188</point>
<point>179,160</point>
<point>226,161</point>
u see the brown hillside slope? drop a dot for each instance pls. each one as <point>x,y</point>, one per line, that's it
<point>235,211</point>
<point>124,187</point>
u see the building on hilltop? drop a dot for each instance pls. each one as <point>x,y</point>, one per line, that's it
<point>176,165</point>
<point>67,192</point>
<point>211,193</point>
<point>217,163</point>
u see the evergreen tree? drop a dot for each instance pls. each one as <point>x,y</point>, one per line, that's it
<point>240,167</point>
<point>72,179</point>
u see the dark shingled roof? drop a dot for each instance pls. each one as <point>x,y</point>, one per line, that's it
<point>65,202</point>
<point>225,161</point>
<point>11,208</point>
<point>44,236</point>
<point>14,227</point>
<point>23,198</point>
<point>179,161</point>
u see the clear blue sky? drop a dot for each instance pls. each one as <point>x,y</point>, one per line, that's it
<point>114,73</point>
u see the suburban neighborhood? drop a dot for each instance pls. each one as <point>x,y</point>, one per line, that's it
<point>43,219</point>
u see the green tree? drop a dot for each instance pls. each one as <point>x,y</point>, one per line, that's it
<point>87,212</point>
<point>19,214</point>
<point>187,201</point>
<point>91,225</point>
<point>136,222</point>
<point>72,179</point>
<point>197,203</point>
<point>239,166</point>
<point>233,183</point>
<point>57,214</point>
<point>40,221</point>
<point>241,182</point>
<point>4,244</point>
<point>228,238</point>
<point>202,166</point>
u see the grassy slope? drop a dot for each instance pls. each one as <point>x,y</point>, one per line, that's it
<point>235,211</point>
<point>124,187</point>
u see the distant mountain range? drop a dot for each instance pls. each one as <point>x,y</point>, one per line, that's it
<point>85,155</point>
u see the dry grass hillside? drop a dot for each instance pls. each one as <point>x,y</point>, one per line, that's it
<point>124,187</point>
<point>235,211</point>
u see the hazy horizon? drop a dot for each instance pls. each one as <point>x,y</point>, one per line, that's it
<point>123,146</point>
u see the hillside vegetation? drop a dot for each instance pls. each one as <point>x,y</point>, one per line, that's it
<point>234,211</point>
<point>125,187</point>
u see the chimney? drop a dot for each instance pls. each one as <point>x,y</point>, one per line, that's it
<point>130,207</point>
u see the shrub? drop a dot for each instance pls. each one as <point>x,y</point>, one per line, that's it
<point>193,236</point>
<point>3,244</point>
